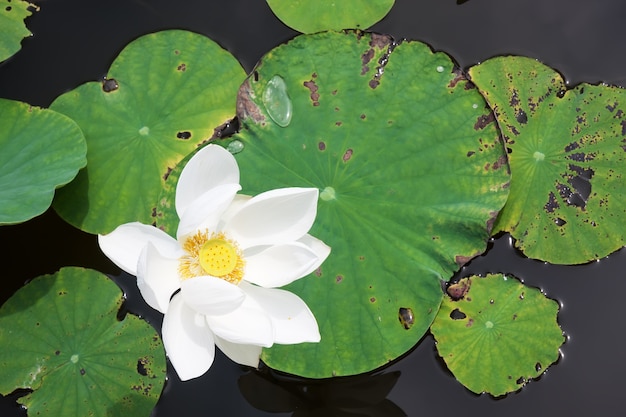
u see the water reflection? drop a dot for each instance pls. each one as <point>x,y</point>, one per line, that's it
<point>360,395</point>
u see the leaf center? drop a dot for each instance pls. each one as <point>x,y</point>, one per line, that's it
<point>328,194</point>
<point>539,156</point>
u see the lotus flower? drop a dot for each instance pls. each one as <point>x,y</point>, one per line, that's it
<point>216,282</point>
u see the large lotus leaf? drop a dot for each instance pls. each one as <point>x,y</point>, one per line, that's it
<point>496,334</point>
<point>411,172</point>
<point>163,96</point>
<point>567,152</point>
<point>309,16</point>
<point>40,150</point>
<point>62,339</point>
<point>12,27</point>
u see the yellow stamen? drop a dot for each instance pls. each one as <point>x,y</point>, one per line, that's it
<point>212,254</point>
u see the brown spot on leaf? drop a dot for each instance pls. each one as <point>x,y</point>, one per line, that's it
<point>462,260</point>
<point>321,146</point>
<point>470,322</point>
<point>374,83</point>
<point>167,174</point>
<point>493,215</point>
<point>347,155</point>
<point>552,203</point>
<point>338,279</point>
<point>458,290</point>
<point>484,120</point>
<point>458,77</point>
<point>365,59</point>
<point>312,86</point>
<point>380,41</point>
<point>514,101</point>
<point>372,299</point>
<point>246,107</point>
<point>572,146</point>
<point>182,67</point>
<point>501,162</point>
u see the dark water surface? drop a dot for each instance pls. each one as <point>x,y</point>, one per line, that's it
<point>76,40</point>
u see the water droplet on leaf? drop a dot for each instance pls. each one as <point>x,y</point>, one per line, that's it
<point>277,101</point>
<point>235,147</point>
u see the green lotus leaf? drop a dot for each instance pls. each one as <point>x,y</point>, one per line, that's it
<point>41,150</point>
<point>411,173</point>
<point>62,339</point>
<point>496,334</point>
<point>163,96</point>
<point>309,16</point>
<point>567,154</point>
<point>12,27</point>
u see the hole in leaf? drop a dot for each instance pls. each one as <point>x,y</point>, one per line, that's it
<point>141,367</point>
<point>184,135</point>
<point>121,313</point>
<point>521,117</point>
<point>405,315</point>
<point>457,314</point>
<point>109,85</point>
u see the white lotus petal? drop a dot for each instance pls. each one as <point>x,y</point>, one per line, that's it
<point>205,211</point>
<point>188,340</point>
<point>276,216</point>
<point>235,205</point>
<point>293,321</point>
<point>124,244</point>
<point>210,295</point>
<point>209,167</point>
<point>157,278</point>
<point>280,265</point>
<point>321,249</point>
<point>242,354</point>
<point>248,324</point>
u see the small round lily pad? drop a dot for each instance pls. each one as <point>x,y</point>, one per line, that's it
<point>496,334</point>
<point>309,16</point>
<point>164,95</point>
<point>61,338</point>
<point>567,152</point>
<point>40,150</point>
<point>12,27</point>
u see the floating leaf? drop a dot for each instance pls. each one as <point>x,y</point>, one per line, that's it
<point>411,173</point>
<point>12,27</point>
<point>164,95</point>
<point>41,150</point>
<point>61,338</point>
<point>498,335</point>
<point>309,16</point>
<point>567,156</point>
